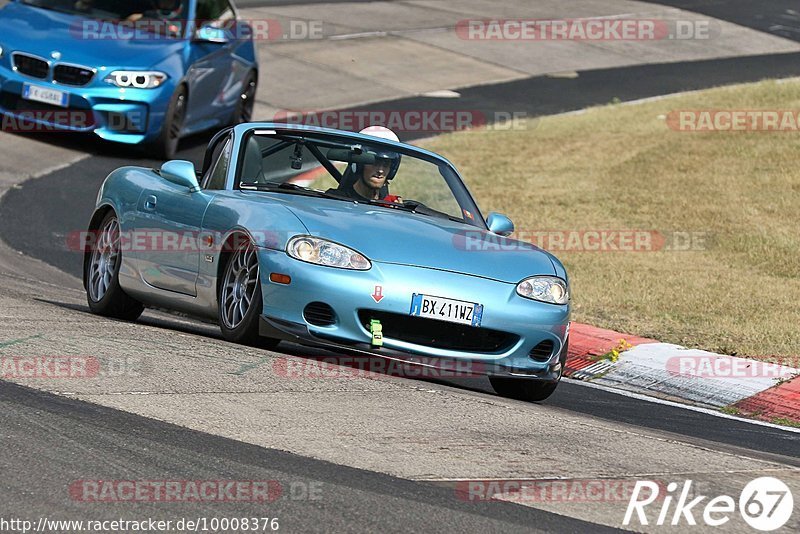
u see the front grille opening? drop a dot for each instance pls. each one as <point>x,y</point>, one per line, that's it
<point>80,118</point>
<point>319,314</point>
<point>31,66</point>
<point>543,351</point>
<point>72,75</point>
<point>439,334</point>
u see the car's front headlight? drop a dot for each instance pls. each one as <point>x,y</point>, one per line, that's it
<point>1,50</point>
<point>324,252</point>
<point>136,79</point>
<point>544,289</point>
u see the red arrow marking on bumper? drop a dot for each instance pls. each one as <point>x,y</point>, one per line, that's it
<point>377,296</point>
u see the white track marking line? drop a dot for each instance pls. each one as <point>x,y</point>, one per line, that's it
<point>706,411</point>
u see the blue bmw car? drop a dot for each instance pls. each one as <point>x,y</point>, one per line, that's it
<point>141,72</point>
<point>352,242</point>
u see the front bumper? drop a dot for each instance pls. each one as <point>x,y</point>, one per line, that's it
<point>524,324</point>
<point>128,116</point>
<point>438,367</point>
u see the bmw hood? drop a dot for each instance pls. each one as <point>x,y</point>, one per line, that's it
<point>41,32</point>
<point>394,236</point>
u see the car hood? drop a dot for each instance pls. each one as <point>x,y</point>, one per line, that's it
<point>38,31</point>
<point>395,236</point>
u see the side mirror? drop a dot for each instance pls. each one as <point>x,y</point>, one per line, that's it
<point>182,173</point>
<point>210,34</point>
<point>500,224</point>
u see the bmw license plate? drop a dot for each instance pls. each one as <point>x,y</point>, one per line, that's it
<point>444,309</point>
<point>45,95</point>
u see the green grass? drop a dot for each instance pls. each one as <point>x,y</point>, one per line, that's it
<point>786,422</point>
<point>621,167</point>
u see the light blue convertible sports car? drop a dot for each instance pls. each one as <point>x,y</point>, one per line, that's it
<point>351,242</point>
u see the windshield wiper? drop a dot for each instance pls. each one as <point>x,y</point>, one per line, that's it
<point>287,187</point>
<point>415,206</point>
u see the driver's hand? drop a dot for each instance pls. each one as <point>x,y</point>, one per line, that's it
<point>399,200</point>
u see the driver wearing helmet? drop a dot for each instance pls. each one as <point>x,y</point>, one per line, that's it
<point>370,181</point>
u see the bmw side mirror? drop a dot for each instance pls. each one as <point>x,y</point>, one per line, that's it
<point>210,34</point>
<point>499,224</point>
<point>182,173</point>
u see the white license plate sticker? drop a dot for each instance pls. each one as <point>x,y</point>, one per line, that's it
<point>45,95</point>
<point>444,309</point>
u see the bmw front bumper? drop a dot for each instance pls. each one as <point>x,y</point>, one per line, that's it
<point>128,116</point>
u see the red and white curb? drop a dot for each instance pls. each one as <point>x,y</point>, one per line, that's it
<point>767,390</point>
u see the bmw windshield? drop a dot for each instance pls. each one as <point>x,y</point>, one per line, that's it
<point>118,10</point>
<point>383,175</point>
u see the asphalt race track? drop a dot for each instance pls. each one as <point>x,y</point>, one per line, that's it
<point>50,438</point>
<point>54,432</point>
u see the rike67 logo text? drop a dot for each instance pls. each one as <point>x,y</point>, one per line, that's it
<point>765,504</point>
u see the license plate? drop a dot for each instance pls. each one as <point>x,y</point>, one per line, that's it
<point>45,95</point>
<point>444,309</point>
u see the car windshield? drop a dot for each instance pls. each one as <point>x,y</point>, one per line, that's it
<point>331,166</point>
<point>118,10</point>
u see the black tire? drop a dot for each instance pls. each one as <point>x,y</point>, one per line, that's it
<point>527,389</point>
<point>166,145</point>
<point>524,389</point>
<point>245,330</point>
<point>247,100</point>
<point>101,275</point>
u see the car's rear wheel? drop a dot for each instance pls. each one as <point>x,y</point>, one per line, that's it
<point>101,275</point>
<point>240,299</point>
<point>166,145</point>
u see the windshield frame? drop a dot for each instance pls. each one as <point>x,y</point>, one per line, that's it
<point>186,20</point>
<point>451,177</point>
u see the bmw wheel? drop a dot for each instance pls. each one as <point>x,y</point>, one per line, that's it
<point>247,100</point>
<point>166,145</point>
<point>101,275</point>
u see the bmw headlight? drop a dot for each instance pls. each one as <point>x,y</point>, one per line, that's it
<point>324,252</point>
<point>136,79</point>
<point>544,289</point>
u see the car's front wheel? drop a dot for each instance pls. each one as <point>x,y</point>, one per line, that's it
<point>166,145</point>
<point>524,389</point>
<point>527,389</point>
<point>240,300</point>
<point>101,275</point>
